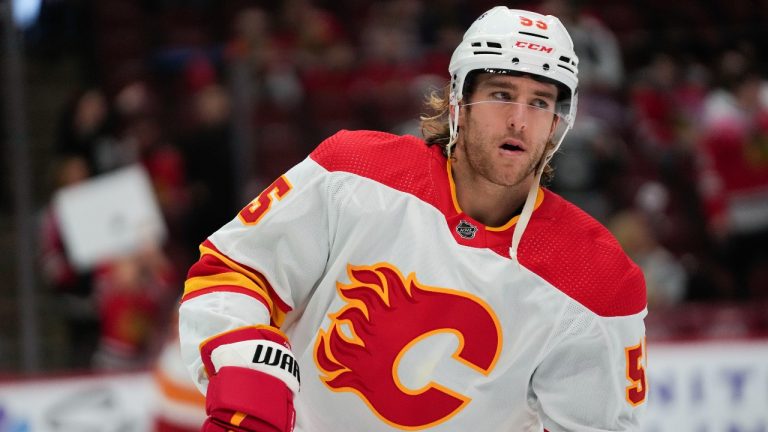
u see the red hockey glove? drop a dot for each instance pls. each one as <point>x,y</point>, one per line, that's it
<point>246,400</point>
<point>253,377</point>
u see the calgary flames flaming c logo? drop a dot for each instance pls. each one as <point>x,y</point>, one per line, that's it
<point>385,315</point>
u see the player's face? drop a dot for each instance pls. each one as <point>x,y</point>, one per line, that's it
<point>505,127</point>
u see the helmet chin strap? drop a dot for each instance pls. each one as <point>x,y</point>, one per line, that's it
<point>453,125</point>
<point>527,212</point>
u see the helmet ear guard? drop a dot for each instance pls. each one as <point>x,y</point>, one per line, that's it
<point>511,41</point>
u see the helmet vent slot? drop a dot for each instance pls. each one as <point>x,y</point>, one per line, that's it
<point>476,44</point>
<point>566,68</point>
<point>515,60</point>
<point>486,52</point>
<point>534,35</point>
<point>493,44</point>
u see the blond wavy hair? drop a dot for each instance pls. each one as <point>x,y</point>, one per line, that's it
<point>434,126</point>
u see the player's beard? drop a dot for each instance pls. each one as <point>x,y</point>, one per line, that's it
<point>480,148</point>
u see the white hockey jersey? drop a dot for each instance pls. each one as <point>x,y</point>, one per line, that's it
<point>404,313</point>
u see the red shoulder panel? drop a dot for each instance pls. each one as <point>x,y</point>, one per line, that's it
<point>579,256</point>
<point>404,163</point>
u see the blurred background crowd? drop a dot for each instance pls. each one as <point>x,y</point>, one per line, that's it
<point>215,99</point>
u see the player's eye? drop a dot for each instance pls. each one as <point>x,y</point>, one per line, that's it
<point>501,96</point>
<point>540,103</point>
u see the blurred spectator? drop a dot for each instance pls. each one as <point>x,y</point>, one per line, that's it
<point>438,38</point>
<point>601,67</point>
<point>593,167</point>
<point>390,49</point>
<point>134,295</point>
<point>309,30</point>
<point>95,129</point>
<point>143,138</point>
<point>654,104</point>
<point>269,58</point>
<point>72,289</point>
<point>263,57</point>
<point>87,130</point>
<point>144,141</point>
<point>330,106</point>
<point>734,172</point>
<point>665,277</point>
<point>666,100</point>
<point>740,90</point>
<point>206,146</point>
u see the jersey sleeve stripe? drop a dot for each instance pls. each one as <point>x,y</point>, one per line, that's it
<point>213,262</point>
<point>281,305</point>
<point>222,280</point>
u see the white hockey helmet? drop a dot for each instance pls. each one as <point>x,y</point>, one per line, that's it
<point>505,41</point>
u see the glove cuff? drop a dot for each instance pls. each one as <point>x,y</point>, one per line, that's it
<point>250,400</point>
<point>262,355</point>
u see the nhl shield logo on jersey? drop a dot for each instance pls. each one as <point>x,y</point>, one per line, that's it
<point>466,230</point>
<point>385,315</point>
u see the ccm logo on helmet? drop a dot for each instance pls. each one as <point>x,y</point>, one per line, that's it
<point>533,46</point>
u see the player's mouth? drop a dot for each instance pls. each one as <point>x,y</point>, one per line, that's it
<point>511,147</point>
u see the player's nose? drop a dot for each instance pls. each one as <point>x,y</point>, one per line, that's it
<point>517,116</point>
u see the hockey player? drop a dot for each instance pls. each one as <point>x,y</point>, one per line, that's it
<point>388,283</point>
